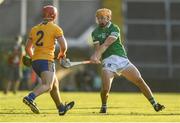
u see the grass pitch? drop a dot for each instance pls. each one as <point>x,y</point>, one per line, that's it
<point>123,107</point>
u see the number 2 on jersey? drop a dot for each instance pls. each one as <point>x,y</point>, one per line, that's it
<point>39,41</point>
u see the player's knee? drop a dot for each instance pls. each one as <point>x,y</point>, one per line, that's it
<point>48,87</point>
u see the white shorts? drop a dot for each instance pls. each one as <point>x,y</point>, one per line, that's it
<point>115,64</point>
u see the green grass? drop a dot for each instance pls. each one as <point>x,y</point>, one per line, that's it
<point>128,107</point>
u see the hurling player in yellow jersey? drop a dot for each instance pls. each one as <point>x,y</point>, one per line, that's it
<point>40,47</point>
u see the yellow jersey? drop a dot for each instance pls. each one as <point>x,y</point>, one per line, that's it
<point>43,37</point>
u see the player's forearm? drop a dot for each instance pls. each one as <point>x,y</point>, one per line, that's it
<point>28,47</point>
<point>29,52</point>
<point>62,53</point>
<point>106,44</point>
<point>63,47</point>
<point>102,48</point>
<point>100,51</point>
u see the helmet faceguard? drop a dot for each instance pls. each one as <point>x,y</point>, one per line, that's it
<point>49,12</point>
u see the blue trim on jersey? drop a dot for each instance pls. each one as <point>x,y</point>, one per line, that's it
<point>42,65</point>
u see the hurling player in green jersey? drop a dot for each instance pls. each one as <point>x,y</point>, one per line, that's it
<point>110,52</point>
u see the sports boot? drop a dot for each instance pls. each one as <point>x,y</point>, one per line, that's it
<point>64,108</point>
<point>31,104</point>
<point>158,107</point>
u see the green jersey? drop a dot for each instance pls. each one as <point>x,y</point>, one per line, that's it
<point>100,34</point>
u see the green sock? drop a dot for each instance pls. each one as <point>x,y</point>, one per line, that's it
<point>152,101</point>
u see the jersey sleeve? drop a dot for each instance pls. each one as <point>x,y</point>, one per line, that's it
<point>58,32</point>
<point>115,32</point>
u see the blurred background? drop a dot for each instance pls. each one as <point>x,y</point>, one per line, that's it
<point>150,31</point>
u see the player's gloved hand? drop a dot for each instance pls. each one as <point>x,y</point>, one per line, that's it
<point>27,61</point>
